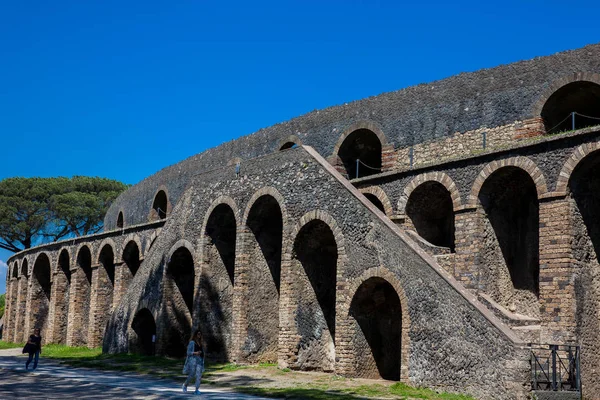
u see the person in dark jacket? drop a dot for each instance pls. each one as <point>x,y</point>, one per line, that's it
<point>34,348</point>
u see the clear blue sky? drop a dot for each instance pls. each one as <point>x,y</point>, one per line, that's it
<point>123,88</point>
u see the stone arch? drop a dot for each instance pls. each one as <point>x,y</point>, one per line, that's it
<point>289,142</point>
<point>61,292</point>
<point>131,257</point>
<point>572,162</point>
<point>113,245</point>
<point>81,277</point>
<point>314,258</point>
<point>270,191</point>
<point>385,205</point>
<point>217,250</point>
<point>262,240</point>
<point>128,239</point>
<point>178,293</point>
<point>438,176</point>
<point>161,206</point>
<point>509,256</point>
<point>143,331</point>
<point>362,140</point>
<point>24,271</point>
<point>40,293</point>
<point>15,270</point>
<point>103,301</point>
<point>390,278</point>
<point>521,162</point>
<point>577,78</point>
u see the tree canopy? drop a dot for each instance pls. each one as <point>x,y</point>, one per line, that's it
<point>39,210</point>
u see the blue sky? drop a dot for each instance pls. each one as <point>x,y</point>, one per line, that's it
<point>122,89</point>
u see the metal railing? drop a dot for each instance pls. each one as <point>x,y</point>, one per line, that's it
<point>556,368</point>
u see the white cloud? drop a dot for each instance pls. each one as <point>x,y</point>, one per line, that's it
<point>3,265</point>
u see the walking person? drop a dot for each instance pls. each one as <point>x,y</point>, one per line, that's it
<point>34,348</point>
<point>194,363</point>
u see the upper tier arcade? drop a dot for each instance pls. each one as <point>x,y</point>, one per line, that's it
<point>520,92</point>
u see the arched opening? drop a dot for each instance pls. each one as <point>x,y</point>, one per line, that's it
<point>584,186</point>
<point>265,222</point>
<point>288,145</point>
<point>582,98</point>
<point>315,265</point>
<point>510,259</point>
<point>431,214</point>
<point>179,292</point>
<point>217,281</point>
<point>376,202</point>
<point>120,220</point>
<point>376,310</point>
<point>78,329</point>
<point>365,146</point>
<point>103,291</point>
<point>40,293</point>
<point>131,257</point>
<point>180,270</point>
<point>62,280</point>
<point>131,260</point>
<point>15,270</point>
<point>144,330</point>
<point>25,268</point>
<point>160,204</point>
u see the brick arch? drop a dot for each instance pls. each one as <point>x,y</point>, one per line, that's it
<point>370,125</point>
<point>152,214</point>
<point>440,177</point>
<point>130,238</point>
<point>536,109</point>
<point>524,163</point>
<point>266,191</point>
<point>121,212</point>
<point>392,279</point>
<point>14,270</point>
<point>179,244</point>
<point>25,263</point>
<point>289,139</point>
<point>78,251</point>
<point>326,218</point>
<point>382,196</point>
<point>217,202</point>
<point>569,166</point>
<point>48,255</point>
<point>58,253</point>
<point>116,250</point>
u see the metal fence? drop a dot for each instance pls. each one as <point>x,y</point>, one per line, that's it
<point>556,367</point>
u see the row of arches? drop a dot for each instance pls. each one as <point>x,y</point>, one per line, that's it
<point>283,273</point>
<point>570,106</point>
<point>71,304</point>
<point>506,197</point>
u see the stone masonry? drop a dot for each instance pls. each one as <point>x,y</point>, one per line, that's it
<point>470,236</point>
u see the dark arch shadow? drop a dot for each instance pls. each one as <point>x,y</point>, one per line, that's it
<point>160,203</point>
<point>363,145</point>
<point>582,97</point>
<point>376,309</point>
<point>509,199</point>
<point>144,327</point>
<point>431,211</point>
<point>316,250</point>
<point>376,202</point>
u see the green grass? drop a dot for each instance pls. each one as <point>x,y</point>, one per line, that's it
<point>323,392</point>
<point>163,367</point>
<point>8,345</point>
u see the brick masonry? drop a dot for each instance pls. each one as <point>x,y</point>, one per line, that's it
<point>491,125</point>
